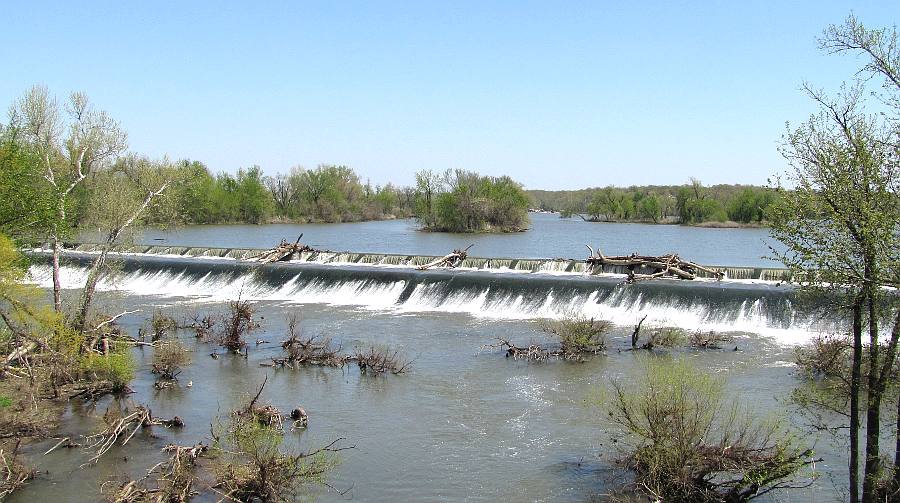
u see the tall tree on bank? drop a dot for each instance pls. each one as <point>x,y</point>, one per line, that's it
<point>78,159</point>
<point>69,147</point>
<point>841,221</point>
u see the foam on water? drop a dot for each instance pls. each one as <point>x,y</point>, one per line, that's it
<point>621,306</point>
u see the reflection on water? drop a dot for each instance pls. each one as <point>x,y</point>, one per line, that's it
<point>549,237</point>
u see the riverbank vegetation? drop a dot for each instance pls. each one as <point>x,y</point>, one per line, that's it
<point>839,225</point>
<point>327,193</point>
<point>689,204</point>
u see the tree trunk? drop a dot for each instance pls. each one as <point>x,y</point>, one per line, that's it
<point>57,287</point>
<point>87,295</point>
<point>872,470</point>
<point>854,400</point>
<point>897,450</point>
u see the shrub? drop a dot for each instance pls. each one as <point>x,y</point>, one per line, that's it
<point>689,444</point>
<point>162,325</point>
<point>169,358</point>
<point>578,335</point>
<point>115,368</point>
<point>667,337</point>
<point>708,340</point>
<point>236,325</point>
<point>252,466</point>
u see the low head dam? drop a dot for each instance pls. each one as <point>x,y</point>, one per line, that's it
<point>747,300</point>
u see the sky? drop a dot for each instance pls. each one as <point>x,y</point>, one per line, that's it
<point>558,95</point>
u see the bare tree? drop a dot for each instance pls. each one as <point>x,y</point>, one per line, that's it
<point>282,191</point>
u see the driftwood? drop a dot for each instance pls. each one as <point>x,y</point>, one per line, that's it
<point>451,260</point>
<point>302,350</point>
<point>532,352</point>
<point>125,427</point>
<point>268,415</point>
<point>170,481</point>
<point>670,265</point>
<point>283,252</point>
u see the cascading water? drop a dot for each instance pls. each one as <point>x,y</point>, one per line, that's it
<point>760,308</point>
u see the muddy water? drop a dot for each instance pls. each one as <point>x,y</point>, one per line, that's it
<point>464,424</point>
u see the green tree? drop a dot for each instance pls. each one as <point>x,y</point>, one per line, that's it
<point>69,149</point>
<point>463,201</point>
<point>840,223</point>
<point>649,208</point>
<point>26,211</point>
<point>254,202</point>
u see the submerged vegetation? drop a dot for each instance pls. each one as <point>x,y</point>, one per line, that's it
<point>577,337</point>
<point>250,463</point>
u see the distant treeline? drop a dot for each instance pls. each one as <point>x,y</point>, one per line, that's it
<point>327,193</point>
<point>453,201</point>
<point>686,204</point>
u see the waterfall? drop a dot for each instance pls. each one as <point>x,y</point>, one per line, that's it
<point>727,306</point>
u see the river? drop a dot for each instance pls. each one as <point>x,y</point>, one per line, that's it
<point>548,237</point>
<point>465,424</point>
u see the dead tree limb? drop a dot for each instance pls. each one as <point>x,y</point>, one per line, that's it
<point>124,426</point>
<point>451,260</point>
<point>637,332</point>
<point>670,265</point>
<point>283,252</point>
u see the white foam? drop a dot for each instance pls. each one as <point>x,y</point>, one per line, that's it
<point>622,307</point>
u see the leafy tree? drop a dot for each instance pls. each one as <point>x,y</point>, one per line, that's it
<point>69,150</point>
<point>649,208</point>
<point>463,201</point>
<point>26,211</point>
<point>840,223</point>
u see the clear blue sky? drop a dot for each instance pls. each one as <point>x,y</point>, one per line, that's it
<point>555,94</point>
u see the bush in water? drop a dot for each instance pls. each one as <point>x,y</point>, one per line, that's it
<point>688,443</point>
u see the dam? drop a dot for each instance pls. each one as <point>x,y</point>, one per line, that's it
<point>748,299</point>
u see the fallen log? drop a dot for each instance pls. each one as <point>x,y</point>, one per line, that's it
<point>451,260</point>
<point>670,265</point>
<point>283,252</point>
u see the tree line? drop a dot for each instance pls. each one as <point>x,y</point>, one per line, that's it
<point>327,193</point>
<point>689,204</point>
<point>453,201</point>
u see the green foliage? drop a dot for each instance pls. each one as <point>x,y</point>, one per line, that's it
<point>327,193</point>
<point>578,335</point>
<point>463,201</point>
<point>252,464</point>
<point>667,337</point>
<point>115,368</point>
<point>688,204</point>
<point>5,401</point>
<point>750,205</point>
<point>26,208</point>
<point>689,444</point>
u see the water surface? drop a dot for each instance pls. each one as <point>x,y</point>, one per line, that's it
<point>548,237</point>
